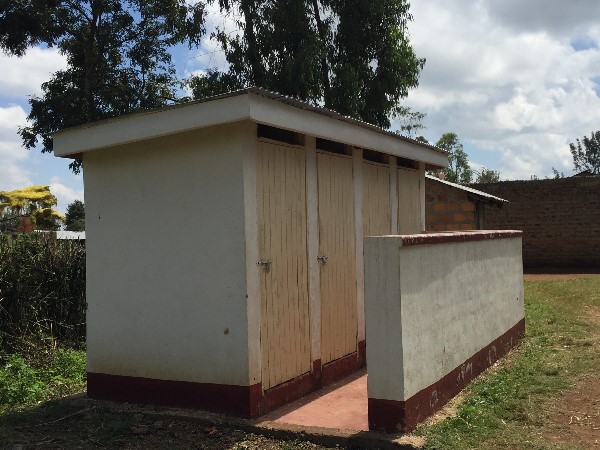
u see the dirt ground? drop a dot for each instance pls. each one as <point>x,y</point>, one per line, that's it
<point>80,423</point>
<point>576,415</point>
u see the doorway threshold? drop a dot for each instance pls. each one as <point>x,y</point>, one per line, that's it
<point>342,405</point>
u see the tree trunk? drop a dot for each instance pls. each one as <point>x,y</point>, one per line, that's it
<point>89,64</point>
<point>258,75</point>
<point>324,66</point>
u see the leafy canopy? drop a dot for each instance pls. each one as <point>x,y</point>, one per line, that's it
<point>75,216</point>
<point>352,56</point>
<point>458,170</point>
<point>117,53</point>
<point>32,203</point>
<point>487,176</point>
<point>586,154</point>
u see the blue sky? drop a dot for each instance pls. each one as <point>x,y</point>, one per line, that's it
<point>517,81</point>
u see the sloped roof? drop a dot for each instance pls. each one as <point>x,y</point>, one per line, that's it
<point>254,104</point>
<point>478,195</point>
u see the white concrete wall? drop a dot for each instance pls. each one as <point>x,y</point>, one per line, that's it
<point>166,266</point>
<point>429,308</point>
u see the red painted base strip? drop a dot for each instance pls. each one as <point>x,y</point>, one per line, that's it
<point>241,401</point>
<point>226,399</point>
<point>393,416</point>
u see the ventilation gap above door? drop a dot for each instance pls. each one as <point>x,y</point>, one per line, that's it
<point>278,134</point>
<point>407,163</point>
<point>375,156</point>
<point>333,147</point>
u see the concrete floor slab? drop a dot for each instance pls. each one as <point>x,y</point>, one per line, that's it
<point>342,405</point>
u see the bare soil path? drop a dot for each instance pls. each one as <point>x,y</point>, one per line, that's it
<point>576,414</point>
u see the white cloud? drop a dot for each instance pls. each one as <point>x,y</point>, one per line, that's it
<point>12,173</point>
<point>506,78</point>
<point>210,54</point>
<point>24,76</point>
<point>64,194</point>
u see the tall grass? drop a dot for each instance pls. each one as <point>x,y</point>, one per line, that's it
<point>42,290</point>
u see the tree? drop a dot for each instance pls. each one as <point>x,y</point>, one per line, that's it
<point>21,209</point>
<point>352,56</point>
<point>75,216</point>
<point>586,154</point>
<point>487,176</point>
<point>458,170</point>
<point>117,53</point>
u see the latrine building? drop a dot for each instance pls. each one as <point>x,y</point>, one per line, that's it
<point>225,246</point>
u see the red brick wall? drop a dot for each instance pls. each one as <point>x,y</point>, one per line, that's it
<point>560,219</point>
<point>448,208</point>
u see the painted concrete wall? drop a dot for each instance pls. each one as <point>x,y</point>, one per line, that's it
<point>429,308</point>
<point>166,266</point>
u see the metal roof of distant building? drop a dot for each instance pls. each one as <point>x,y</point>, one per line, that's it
<point>480,194</point>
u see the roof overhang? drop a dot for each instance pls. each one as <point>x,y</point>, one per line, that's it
<point>252,104</point>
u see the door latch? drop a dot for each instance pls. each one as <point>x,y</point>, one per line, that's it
<point>323,259</point>
<point>266,264</point>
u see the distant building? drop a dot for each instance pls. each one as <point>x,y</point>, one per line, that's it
<point>452,207</point>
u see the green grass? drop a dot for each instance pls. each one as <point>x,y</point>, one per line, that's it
<point>505,409</point>
<point>43,374</point>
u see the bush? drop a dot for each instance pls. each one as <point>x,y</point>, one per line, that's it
<point>19,383</point>
<point>45,374</point>
<point>42,289</point>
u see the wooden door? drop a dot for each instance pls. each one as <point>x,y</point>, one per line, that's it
<point>285,308</point>
<point>409,201</point>
<point>339,325</point>
<point>377,219</point>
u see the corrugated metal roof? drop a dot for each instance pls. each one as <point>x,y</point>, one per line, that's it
<point>325,112</point>
<point>482,195</point>
<point>60,234</point>
<point>272,96</point>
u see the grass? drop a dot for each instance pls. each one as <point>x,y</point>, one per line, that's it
<point>40,374</point>
<point>506,408</point>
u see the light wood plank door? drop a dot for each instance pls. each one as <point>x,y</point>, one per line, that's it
<point>282,234</point>
<point>409,201</point>
<point>377,206</point>
<point>339,326</point>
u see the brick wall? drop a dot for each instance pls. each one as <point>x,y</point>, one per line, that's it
<point>560,219</point>
<point>448,208</point>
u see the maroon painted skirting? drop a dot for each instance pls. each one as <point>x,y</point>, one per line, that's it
<point>227,399</point>
<point>393,416</point>
<point>241,401</point>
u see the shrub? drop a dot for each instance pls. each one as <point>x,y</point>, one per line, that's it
<point>44,374</point>
<point>42,289</point>
<point>19,383</point>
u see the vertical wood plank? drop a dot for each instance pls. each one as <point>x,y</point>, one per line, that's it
<point>281,209</point>
<point>409,201</point>
<point>337,236</point>
<point>377,216</point>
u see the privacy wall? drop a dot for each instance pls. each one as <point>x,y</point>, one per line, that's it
<point>440,309</point>
<point>559,217</point>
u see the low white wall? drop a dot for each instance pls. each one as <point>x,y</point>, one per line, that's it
<point>166,275</point>
<point>430,307</point>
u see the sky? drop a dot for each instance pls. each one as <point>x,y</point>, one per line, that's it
<point>516,80</point>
